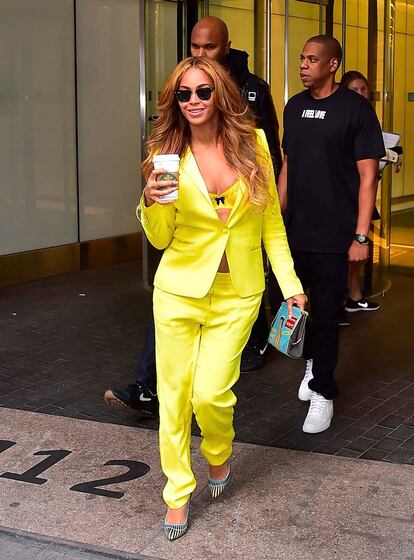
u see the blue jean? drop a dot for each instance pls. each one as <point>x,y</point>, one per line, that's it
<point>146,372</point>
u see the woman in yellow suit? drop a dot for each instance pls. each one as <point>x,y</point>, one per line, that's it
<point>209,283</point>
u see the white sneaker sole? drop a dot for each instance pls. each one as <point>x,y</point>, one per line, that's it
<point>319,430</point>
<point>364,309</point>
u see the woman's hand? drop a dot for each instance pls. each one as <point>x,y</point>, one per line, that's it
<point>398,164</point>
<point>300,300</point>
<point>154,189</point>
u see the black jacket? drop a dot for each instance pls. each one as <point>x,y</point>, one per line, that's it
<point>257,93</point>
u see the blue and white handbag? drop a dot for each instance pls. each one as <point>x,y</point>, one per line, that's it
<point>288,335</point>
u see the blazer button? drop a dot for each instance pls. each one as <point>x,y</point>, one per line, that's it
<point>225,230</point>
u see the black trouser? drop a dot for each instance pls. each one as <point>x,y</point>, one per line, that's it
<point>325,276</point>
<point>260,329</point>
<point>146,372</point>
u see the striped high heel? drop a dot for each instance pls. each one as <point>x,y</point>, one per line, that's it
<point>174,531</point>
<point>217,486</point>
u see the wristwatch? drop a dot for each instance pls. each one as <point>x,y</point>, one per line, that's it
<point>361,238</point>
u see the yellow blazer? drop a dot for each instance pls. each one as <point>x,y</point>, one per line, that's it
<point>194,238</point>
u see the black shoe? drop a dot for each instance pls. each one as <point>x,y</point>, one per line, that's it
<point>252,357</point>
<point>352,306</point>
<point>136,397</point>
<point>343,320</point>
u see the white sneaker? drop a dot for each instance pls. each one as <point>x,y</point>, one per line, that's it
<point>320,414</point>
<point>304,393</point>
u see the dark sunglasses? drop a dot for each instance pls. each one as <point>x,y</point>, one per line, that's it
<point>184,95</point>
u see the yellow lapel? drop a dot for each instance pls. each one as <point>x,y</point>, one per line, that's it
<point>241,195</point>
<point>190,168</point>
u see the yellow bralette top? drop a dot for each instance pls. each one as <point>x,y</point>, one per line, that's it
<point>227,198</point>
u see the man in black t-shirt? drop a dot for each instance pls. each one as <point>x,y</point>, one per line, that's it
<point>332,142</point>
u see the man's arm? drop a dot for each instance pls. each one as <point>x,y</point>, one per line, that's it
<point>282,186</point>
<point>368,171</point>
<point>267,120</point>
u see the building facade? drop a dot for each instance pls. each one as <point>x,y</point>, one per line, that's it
<point>79,81</point>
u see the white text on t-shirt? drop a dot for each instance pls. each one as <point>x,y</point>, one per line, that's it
<point>313,114</point>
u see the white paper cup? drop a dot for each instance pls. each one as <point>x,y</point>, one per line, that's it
<point>170,163</point>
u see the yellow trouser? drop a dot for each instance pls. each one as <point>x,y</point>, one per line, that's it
<point>198,349</point>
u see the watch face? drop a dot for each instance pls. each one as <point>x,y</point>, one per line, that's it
<point>361,238</point>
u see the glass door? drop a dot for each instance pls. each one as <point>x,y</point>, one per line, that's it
<point>161,50</point>
<point>402,183</point>
<point>162,20</point>
<point>167,29</point>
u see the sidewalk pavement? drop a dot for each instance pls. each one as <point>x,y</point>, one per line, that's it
<point>24,546</point>
<point>65,478</point>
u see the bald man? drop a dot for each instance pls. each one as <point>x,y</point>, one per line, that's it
<point>332,142</point>
<point>210,37</point>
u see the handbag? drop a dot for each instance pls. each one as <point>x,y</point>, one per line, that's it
<point>288,335</point>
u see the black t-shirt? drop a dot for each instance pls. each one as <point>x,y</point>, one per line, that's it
<point>323,140</point>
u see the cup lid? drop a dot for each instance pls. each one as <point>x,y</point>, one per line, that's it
<point>166,157</point>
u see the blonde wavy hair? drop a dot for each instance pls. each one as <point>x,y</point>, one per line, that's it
<point>172,134</point>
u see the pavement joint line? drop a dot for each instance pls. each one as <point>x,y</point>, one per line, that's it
<point>64,545</point>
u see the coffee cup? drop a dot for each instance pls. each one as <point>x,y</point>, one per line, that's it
<point>169,163</point>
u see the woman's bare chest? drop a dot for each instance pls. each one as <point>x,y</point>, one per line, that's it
<point>216,172</point>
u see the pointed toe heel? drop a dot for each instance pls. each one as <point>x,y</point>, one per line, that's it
<point>217,486</point>
<point>174,531</point>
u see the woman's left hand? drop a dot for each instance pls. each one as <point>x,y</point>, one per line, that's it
<point>398,164</point>
<point>300,300</point>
